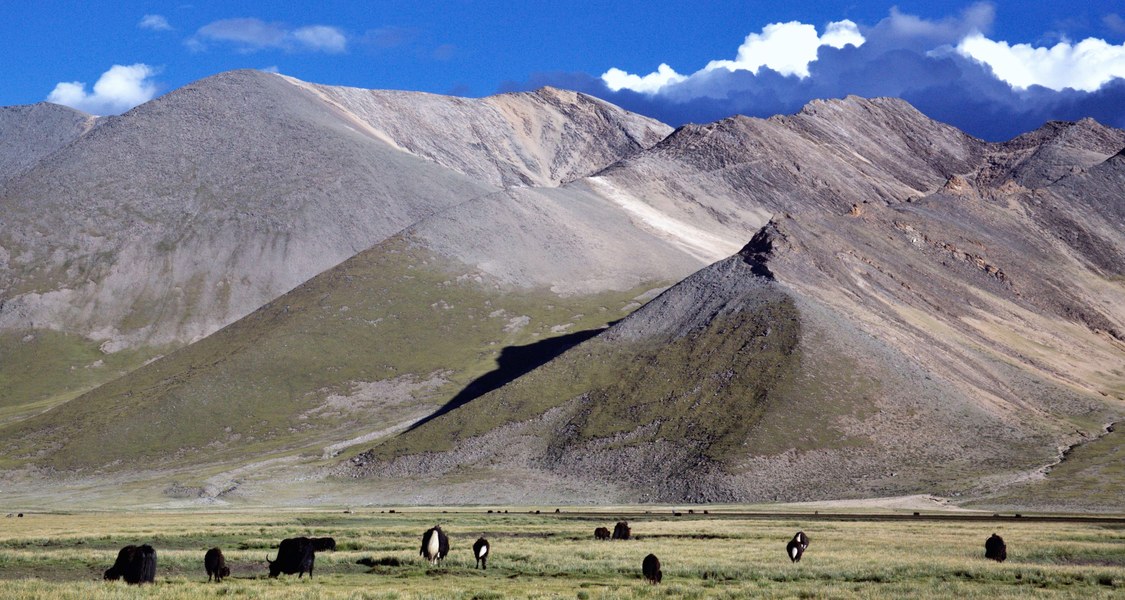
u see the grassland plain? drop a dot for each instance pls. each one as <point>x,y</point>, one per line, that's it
<point>551,555</point>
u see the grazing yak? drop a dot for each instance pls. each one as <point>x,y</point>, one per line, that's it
<point>216,565</point>
<point>601,533</point>
<point>797,546</point>
<point>134,564</point>
<point>480,552</point>
<point>323,543</point>
<point>651,569</point>
<point>294,555</point>
<point>794,549</point>
<point>621,531</point>
<point>435,545</point>
<point>995,548</point>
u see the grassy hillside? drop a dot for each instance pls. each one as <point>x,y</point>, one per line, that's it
<point>385,338</point>
<point>864,369</point>
<point>711,384</point>
<point>41,368</point>
<point>667,404</point>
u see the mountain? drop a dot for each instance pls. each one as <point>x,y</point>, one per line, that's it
<point>542,298</point>
<point>158,227</point>
<point>841,353</point>
<point>834,356</point>
<point>30,133</point>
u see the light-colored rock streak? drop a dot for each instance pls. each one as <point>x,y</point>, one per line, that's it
<point>347,114</point>
<point>705,246</point>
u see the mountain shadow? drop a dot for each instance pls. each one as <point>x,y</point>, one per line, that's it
<point>513,363</point>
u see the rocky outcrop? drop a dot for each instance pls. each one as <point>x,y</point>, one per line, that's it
<point>541,138</point>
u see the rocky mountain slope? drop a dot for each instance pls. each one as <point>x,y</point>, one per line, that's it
<point>30,133</point>
<point>916,310</point>
<point>162,225</point>
<point>841,353</point>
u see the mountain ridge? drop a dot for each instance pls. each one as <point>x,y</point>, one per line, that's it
<point>817,305</point>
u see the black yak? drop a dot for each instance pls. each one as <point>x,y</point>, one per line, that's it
<point>294,555</point>
<point>134,564</point>
<point>651,569</point>
<point>794,549</point>
<point>601,533</point>
<point>435,545</point>
<point>216,565</point>
<point>323,543</point>
<point>995,548</point>
<point>480,552</point>
<point>621,531</point>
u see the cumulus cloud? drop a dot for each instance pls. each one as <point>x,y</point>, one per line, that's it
<point>1085,66</point>
<point>903,30</point>
<point>616,79</point>
<point>902,55</point>
<point>252,35</point>
<point>155,23</point>
<point>786,48</point>
<point>117,90</point>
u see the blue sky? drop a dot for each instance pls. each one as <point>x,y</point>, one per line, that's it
<point>992,68</point>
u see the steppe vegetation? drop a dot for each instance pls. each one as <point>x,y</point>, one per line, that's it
<point>551,555</point>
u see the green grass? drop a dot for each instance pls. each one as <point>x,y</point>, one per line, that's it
<point>709,387</point>
<point>1092,475</point>
<point>554,556</point>
<point>258,387</point>
<point>41,368</point>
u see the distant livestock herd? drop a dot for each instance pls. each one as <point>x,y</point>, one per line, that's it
<point>137,564</point>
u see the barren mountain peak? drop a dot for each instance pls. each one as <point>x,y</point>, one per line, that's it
<point>863,323</point>
<point>31,132</point>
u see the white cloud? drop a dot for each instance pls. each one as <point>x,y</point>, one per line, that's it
<point>116,91</point>
<point>1084,66</point>
<point>903,29</point>
<point>251,35</point>
<point>322,37</point>
<point>787,48</point>
<point>616,79</point>
<point>155,23</point>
